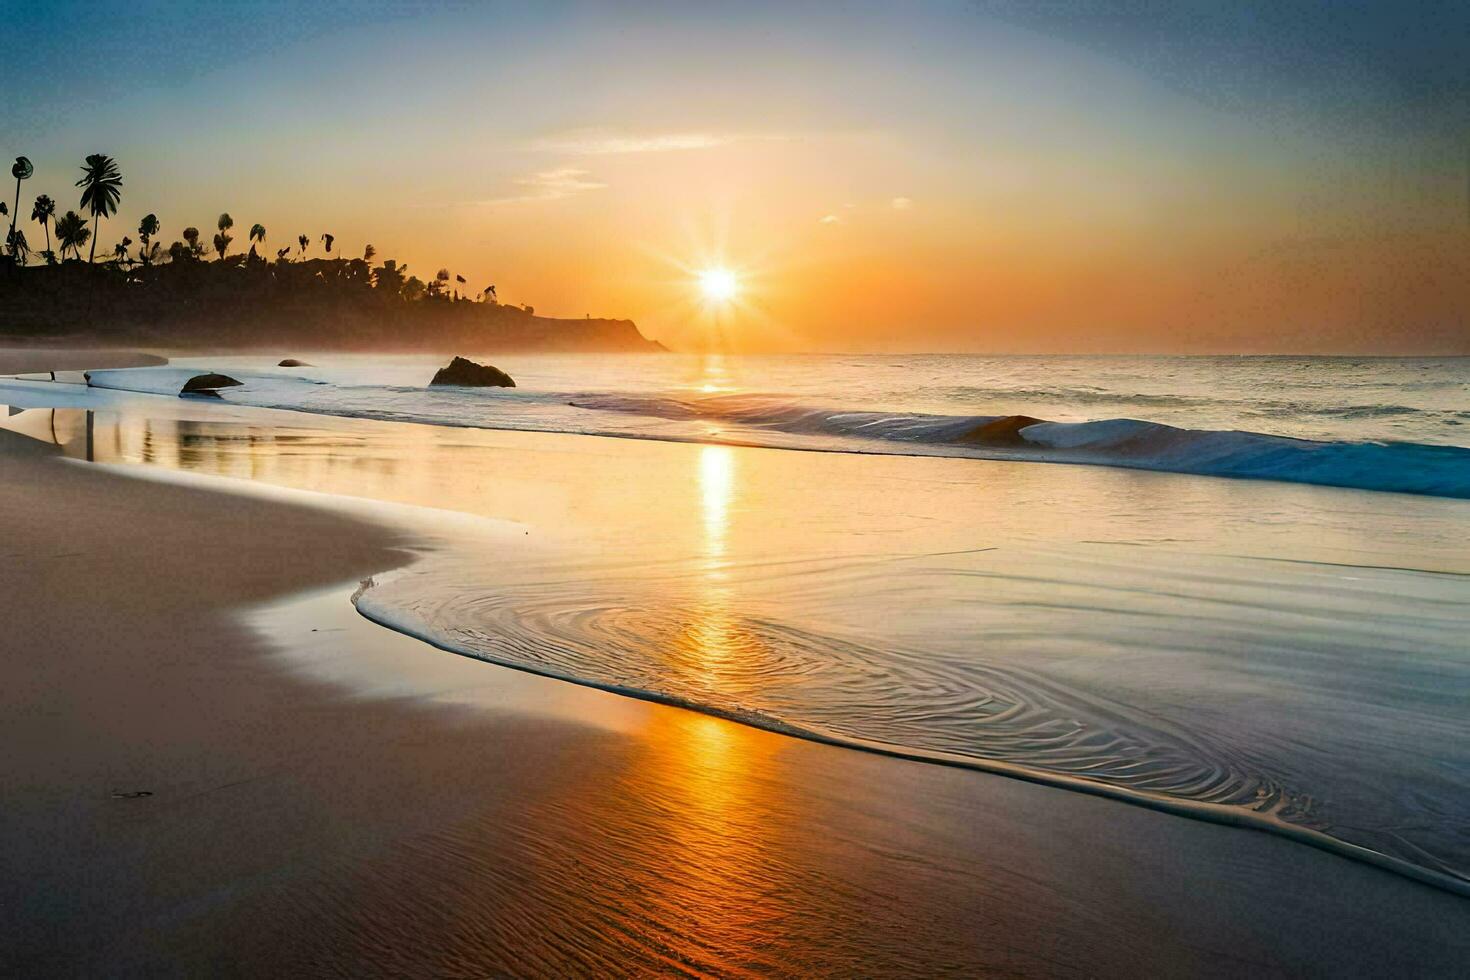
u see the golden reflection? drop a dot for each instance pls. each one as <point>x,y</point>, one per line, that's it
<point>714,375</point>
<point>716,488</point>
<point>708,784</point>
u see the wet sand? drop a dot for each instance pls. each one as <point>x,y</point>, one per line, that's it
<point>471,820</point>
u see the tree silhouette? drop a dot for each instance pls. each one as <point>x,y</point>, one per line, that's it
<point>20,170</point>
<point>147,228</point>
<point>72,233</point>
<point>257,236</point>
<point>20,249</point>
<point>368,253</point>
<point>101,184</point>
<point>303,241</point>
<point>281,253</point>
<point>223,239</point>
<point>328,240</point>
<point>191,235</point>
<point>43,211</point>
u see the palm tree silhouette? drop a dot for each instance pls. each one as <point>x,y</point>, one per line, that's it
<point>72,233</point>
<point>328,240</point>
<point>303,241</point>
<point>43,211</point>
<point>101,184</point>
<point>281,253</point>
<point>147,228</point>
<point>368,253</point>
<point>257,235</point>
<point>223,239</point>
<point>20,170</point>
<point>20,249</point>
<point>191,235</point>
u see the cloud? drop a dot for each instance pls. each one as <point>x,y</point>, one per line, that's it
<point>550,185</point>
<point>597,142</point>
<point>830,219</point>
<point>901,203</point>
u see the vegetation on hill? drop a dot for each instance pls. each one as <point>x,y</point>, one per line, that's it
<point>194,293</point>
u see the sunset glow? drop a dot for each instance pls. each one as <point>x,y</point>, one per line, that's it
<point>947,176</point>
<point>718,285</point>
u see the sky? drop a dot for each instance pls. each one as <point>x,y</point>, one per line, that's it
<point>1119,176</point>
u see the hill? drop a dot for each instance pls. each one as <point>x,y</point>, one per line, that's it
<point>246,303</point>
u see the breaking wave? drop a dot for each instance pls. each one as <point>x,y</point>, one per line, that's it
<point>765,420</point>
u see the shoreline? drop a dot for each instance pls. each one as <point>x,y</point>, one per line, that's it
<point>400,772</point>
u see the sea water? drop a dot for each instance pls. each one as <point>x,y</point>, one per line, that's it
<point>1293,655</point>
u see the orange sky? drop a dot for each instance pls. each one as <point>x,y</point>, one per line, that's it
<point>937,177</point>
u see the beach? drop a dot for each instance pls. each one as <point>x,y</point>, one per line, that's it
<point>326,796</point>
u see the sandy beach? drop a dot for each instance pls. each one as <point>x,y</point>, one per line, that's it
<point>328,797</point>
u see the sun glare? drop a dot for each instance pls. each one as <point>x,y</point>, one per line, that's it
<point>718,285</point>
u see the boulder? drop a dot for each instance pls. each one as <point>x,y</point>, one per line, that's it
<point>207,384</point>
<point>464,372</point>
<point>292,362</point>
<point>1004,431</point>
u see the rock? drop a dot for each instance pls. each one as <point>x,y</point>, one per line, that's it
<point>292,362</point>
<point>1004,431</point>
<point>207,384</point>
<point>464,372</point>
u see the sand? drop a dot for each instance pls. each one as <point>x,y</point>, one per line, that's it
<point>491,822</point>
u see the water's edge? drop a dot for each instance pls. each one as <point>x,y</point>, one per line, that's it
<point>1228,816</point>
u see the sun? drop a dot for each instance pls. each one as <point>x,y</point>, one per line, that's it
<point>718,285</point>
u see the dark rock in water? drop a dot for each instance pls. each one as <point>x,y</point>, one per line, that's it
<point>292,362</point>
<point>462,371</point>
<point>1004,431</point>
<point>207,384</point>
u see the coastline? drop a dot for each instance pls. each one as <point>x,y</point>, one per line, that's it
<point>296,824</point>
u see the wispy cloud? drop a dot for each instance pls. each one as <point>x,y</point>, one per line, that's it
<point>901,203</point>
<point>603,142</point>
<point>550,185</point>
<point>830,219</point>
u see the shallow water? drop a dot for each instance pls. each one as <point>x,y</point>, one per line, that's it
<point>1383,424</point>
<point>1295,654</point>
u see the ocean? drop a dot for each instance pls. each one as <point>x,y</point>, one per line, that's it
<point>1250,604</point>
<point>1380,424</point>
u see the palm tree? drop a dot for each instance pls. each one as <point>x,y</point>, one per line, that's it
<point>72,233</point>
<point>20,249</point>
<point>303,241</point>
<point>223,239</point>
<point>328,240</point>
<point>120,251</point>
<point>257,235</point>
<point>101,184</point>
<point>20,170</point>
<point>191,235</point>
<point>147,228</point>
<point>368,253</point>
<point>43,211</point>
